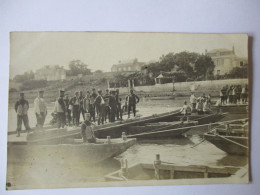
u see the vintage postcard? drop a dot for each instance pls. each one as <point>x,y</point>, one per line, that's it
<point>97,109</point>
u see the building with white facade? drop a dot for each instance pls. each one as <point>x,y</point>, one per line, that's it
<point>128,66</point>
<point>50,73</point>
<point>225,60</point>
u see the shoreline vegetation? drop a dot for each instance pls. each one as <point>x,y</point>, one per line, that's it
<point>178,73</point>
<point>86,83</point>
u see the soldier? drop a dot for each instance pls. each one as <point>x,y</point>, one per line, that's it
<point>92,105</point>
<point>100,104</point>
<point>107,107</point>
<point>113,106</point>
<point>117,101</point>
<point>86,103</point>
<point>40,110</point>
<point>193,101</point>
<point>132,100</point>
<point>186,110</point>
<point>21,109</point>
<point>81,99</point>
<point>60,109</point>
<point>75,102</point>
<point>86,130</point>
<point>68,108</point>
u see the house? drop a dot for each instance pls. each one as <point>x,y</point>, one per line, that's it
<point>225,60</point>
<point>128,66</point>
<point>170,77</point>
<point>50,73</point>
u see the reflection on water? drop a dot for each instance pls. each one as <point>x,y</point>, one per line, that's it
<point>179,151</point>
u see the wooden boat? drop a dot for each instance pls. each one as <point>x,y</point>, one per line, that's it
<point>232,108</point>
<point>69,151</point>
<point>231,138</point>
<point>115,130</point>
<point>164,171</point>
<point>160,130</point>
<point>203,118</point>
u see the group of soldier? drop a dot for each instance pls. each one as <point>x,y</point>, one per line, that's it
<point>100,107</point>
<point>201,105</point>
<point>234,94</point>
<point>22,107</point>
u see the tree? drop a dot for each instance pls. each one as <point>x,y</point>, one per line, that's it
<point>204,67</point>
<point>78,67</point>
<point>168,61</point>
<point>185,62</point>
<point>238,72</point>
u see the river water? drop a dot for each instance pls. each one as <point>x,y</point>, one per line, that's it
<point>178,151</point>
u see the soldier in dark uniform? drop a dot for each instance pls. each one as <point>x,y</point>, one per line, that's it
<point>92,108</point>
<point>113,106</point>
<point>117,101</point>
<point>75,102</point>
<point>107,108</point>
<point>132,100</point>
<point>21,109</point>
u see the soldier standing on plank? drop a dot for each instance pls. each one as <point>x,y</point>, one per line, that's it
<point>107,108</point>
<point>92,108</point>
<point>40,110</point>
<point>86,103</point>
<point>86,130</point>
<point>75,102</point>
<point>21,109</point>
<point>60,109</point>
<point>67,104</point>
<point>132,100</point>
<point>81,99</point>
<point>100,104</point>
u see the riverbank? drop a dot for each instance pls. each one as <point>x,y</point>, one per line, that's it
<point>179,89</point>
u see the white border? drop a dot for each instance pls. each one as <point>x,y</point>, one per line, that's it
<point>193,16</point>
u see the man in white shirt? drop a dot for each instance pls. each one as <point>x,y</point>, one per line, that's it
<point>40,110</point>
<point>193,101</point>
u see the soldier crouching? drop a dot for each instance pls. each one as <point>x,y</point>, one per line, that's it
<point>86,130</point>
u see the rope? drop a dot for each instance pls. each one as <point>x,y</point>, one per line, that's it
<point>232,141</point>
<point>155,131</point>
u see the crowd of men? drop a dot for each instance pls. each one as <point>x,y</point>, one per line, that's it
<point>234,94</point>
<point>201,105</point>
<point>100,108</point>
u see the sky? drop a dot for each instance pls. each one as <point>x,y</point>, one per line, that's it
<point>100,50</point>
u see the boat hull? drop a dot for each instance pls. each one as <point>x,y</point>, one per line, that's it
<point>161,130</point>
<point>145,171</point>
<point>227,146</point>
<point>232,108</point>
<point>87,153</point>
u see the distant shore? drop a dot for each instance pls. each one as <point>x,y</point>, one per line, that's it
<point>182,89</point>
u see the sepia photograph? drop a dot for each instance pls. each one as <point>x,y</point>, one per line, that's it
<point>103,109</point>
